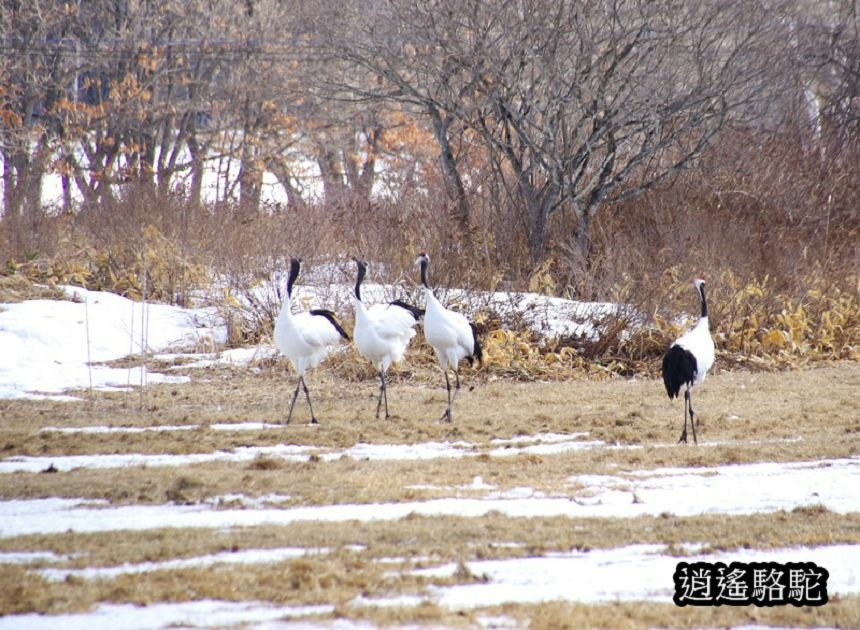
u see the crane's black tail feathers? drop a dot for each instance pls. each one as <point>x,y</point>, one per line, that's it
<point>679,368</point>
<point>478,352</point>
<point>333,319</point>
<point>417,313</point>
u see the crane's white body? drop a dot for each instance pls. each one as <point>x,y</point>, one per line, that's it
<point>448,332</point>
<point>700,344</point>
<point>303,338</point>
<point>382,333</point>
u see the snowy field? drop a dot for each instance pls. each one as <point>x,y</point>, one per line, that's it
<point>50,347</point>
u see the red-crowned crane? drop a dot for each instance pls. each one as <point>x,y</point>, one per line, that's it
<point>305,338</point>
<point>688,360</point>
<point>382,332</point>
<point>451,335</point>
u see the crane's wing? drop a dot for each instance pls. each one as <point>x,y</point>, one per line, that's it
<point>319,328</point>
<point>392,321</point>
<point>464,331</point>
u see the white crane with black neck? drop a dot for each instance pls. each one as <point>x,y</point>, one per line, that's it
<point>452,336</point>
<point>382,332</point>
<point>688,360</point>
<point>305,338</point>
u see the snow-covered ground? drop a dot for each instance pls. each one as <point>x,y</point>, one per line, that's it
<point>543,444</point>
<point>768,488</point>
<point>47,347</point>
<point>52,346</point>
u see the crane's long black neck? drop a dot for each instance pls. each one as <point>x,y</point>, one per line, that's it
<point>295,267</point>
<point>423,265</point>
<point>701,288</point>
<point>362,271</point>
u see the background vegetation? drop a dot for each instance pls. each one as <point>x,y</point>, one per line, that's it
<point>596,150</point>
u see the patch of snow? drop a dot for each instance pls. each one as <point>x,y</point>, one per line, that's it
<point>288,452</point>
<point>245,556</point>
<point>546,438</point>
<point>388,602</point>
<point>47,348</point>
<point>30,557</point>
<point>65,463</point>
<point>388,452</point>
<point>768,487</point>
<point>265,500</point>
<point>237,357</point>
<point>551,448</point>
<point>636,572</point>
<point>166,428</point>
<point>687,491</point>
<point>197,614</point>
<point>497,621</point>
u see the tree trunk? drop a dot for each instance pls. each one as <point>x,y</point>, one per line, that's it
<point>454,184</point>
<point>196,171</point>
<point>582,237</point>
<point>250,180</point>
<point>331,174</point>
<point>295,201</point>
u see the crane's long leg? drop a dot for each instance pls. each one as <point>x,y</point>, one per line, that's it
<point>448,414</point>
<point>383,394</point>
<point>692,416</point>
<point>686,405</point>
<point>457,388</point>
<point>308,396</point>
<point>293,403</point>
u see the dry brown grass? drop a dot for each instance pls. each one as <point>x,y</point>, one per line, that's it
<point>746,417</point>
<point>17,288</point>
<point>737,405</point>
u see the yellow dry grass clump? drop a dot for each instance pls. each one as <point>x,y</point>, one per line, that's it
<point>822,325</point>
<point>754,324</point>
<point>153,265</point>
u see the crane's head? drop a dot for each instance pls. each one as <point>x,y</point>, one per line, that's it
<point>362,272</point>
<point>699,283</point>
<point>295,267</point>
<point>422,261</point>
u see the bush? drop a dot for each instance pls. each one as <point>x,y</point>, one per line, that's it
<point>772,227</point>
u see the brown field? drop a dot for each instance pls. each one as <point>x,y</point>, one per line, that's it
<point>745,417</point>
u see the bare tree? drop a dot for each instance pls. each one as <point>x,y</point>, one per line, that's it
<point>829,52</point>
<point>581,104</point>
<point>388,51</point>
<point>35,74</point>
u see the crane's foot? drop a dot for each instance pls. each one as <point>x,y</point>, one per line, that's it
<point>683,437</point>
<point>314,421</point>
